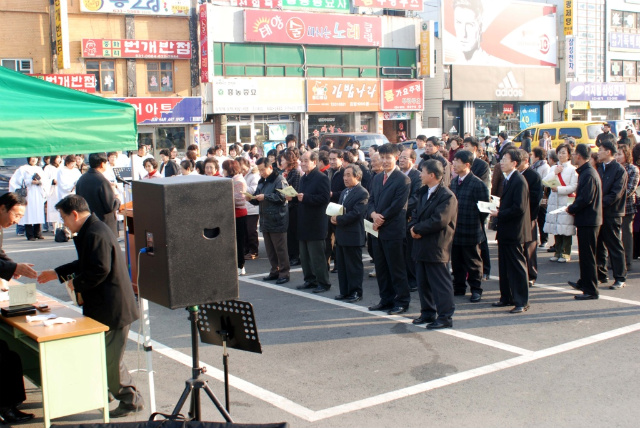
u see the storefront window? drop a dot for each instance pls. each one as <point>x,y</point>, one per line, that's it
<point>324,123</point>
<point>168,137</point>
<point>511,117</point>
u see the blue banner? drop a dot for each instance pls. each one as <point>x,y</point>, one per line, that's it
<point>529,115</point>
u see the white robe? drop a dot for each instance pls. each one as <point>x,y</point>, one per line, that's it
<point>67,179</point>
<point>34,214</point>
<point>51,173</point>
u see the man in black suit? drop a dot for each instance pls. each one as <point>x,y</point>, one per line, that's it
<point>466,260</point>
<point>497,178</point>
<point>432,227</point>
<point>514,229</point>
<point>334,173</point>
<point>431,151</point>
<point>350,235</point>
<point>313,198</point>
<point>536,190</point>
<point>481,169</point>
<point>101,280</point>
<point>587,212</point>
<point>614,185</point>
<point>387,209</point>
<point>12,393</point>
<point>98,193</point>
<point>406,163</point>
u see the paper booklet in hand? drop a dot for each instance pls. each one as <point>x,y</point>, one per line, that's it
<point>334,209</point>
<point>288,191</point>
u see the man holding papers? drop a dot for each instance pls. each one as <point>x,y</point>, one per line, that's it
<point>350,235</point>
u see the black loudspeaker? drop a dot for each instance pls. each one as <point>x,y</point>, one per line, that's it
<point>187,226</point>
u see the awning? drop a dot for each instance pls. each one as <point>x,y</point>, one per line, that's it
<point>38,118</point>
<point>608,104</point>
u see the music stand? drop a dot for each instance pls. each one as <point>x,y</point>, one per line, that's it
<point>229,324</point>
<point>123,174</point>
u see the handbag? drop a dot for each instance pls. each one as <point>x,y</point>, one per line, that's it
<point>22,190</point>
<point>62,235</point>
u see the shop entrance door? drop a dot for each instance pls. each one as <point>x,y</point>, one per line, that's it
<point>239,133</point>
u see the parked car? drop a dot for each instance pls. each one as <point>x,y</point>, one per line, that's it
<point>619,125</point>
<point>583,131</point>
<point>366,139</point>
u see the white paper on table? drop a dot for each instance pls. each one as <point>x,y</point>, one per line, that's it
<point>43,317</point>
<point>22,294</point>
<point>487,207</point>
<point>4,296</point>
<point>288,191</point>
<point>61,320</point>
<point>558,211</point>
<point>368,227</point>
<point>71,293</point>
<point>334,209</point>
<point>495,200</point>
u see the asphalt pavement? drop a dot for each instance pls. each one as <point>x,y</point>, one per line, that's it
<point>326,363</point>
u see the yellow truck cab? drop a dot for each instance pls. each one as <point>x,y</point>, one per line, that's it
<point>583,131</point>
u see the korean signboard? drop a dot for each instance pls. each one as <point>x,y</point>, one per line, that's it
<point>487,32</point>
<point>570,55</point>
<point>81,82</point>
<point>258,4</point>
<point>206,45</point>
<point>166,111</point>
<point>62,34</point>
<point>311,28</point>
<point>391,4</point>
<point>137,7</point>
<point>126,48</point>
<point>624,42</point>
<point>568,17</point>
<point>598,91</point>
<point>258,95</point>
<point>402,95</point>
<point>343,95</point>
<point>340,6</point>
<point>427,63</point>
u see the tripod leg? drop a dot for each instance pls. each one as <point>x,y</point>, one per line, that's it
<point>183,398</point>
<point>217,403</point>
<point>225,363</point>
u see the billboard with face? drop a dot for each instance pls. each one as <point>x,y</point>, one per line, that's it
<point>487,32</point>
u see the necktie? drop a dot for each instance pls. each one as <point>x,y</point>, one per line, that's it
<point>459,181</point>
<point>384,180</point>
<point>604,167</point>
<point>345,192</point>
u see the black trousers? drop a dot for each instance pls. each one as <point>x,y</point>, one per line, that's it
<point>484,253</point>
<point>542,216</point>
<point>587,242</point>
<point>466,264</point>
<point>251,243</point>
<point>276,245</point>
<point>514,279</point>
<point>435,290</point>
<point>119,381</point>
<point>531,253</point>
<point>241,231</point>
<point>314,265</point>
<point>410,264</point>
<point>370,245</point>
<point>32,230</point>
<point>391,272</point>
<point>12,389</point>
<point>610,240</point>
<point>292,233</point>
<point>350,269</point>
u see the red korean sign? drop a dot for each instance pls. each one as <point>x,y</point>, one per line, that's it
<point>81,82</point>
<point>268,26</point>
<point>402,95</point>
<point>343,95</point>
<point>391,4</point>
<point>258,4</point>
<point>204,45</point>
<point>127,48</point>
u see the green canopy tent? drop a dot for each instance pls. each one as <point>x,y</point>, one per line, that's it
<point>38,118</point>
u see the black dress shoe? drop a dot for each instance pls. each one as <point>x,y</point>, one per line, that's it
<point>15,416</point>
<point>355,297</point>
<point>40,237</point>
<point>475,297</point>
<point>307,285</point>
<point>412,289</point>
<point>437,325</point>
<point>270,277</point>
<point>334,270</point>
<point>294,262</point>
<point>282,280</point>
<point>397,310</point>
<point>423,320</point>
<point>341,297</point>
<point>381,307</point>
<point>586,297</point>
<point>321,288</point>
<point>519,309</point>
<point>603,280</point>
<point>459,293</point>
<point>575,285</point>
<point>551,249</point>
<point>500,304</point>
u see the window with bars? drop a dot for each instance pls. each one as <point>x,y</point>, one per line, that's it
<point>24,66</point>
<point>160,76</point>
<point>105,72</point>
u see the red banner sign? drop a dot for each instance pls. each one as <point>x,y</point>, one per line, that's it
<point>166,110</point>
<point>204,45</point>
<point>81,82</point>
<point>402,95</point>
<point>267,26</point>
<point>343,95</point>
<point>127,48</point>
<point>391,4</point>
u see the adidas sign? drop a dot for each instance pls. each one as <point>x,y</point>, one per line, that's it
<point>509,87</point>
